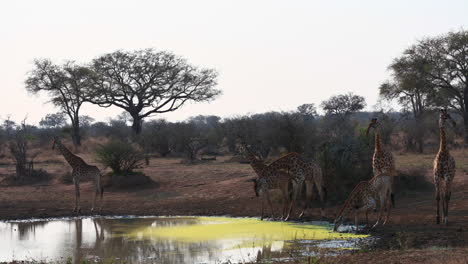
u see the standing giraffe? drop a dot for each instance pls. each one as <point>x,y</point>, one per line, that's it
<point>365,196</point>
<point>293,163</point>
<point>81,169</point>
<point>444,169</point>
<point>268,179</point>
<point>382,160</point>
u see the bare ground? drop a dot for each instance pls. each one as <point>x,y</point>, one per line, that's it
<point>222,188</point>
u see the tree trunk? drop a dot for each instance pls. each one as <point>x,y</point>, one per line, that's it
<point>137,124</point>
<point>465,124</point>
<point>420,135</point>
<point>75,120</point>
<point>421,144</point>
<point>76,133</point>
<point>75,130</point>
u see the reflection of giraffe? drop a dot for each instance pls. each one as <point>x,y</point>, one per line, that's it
<point>365,196</point>
<point>444,169</point>
<point>81,169</point>
<point>382,161</point>
<point>78,252</point>
<point>294,164</point>
<point>268,179</point>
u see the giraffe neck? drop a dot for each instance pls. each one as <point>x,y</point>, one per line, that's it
<point>378,143</point>
<point>443,140</point>
<point>353,197</point>
<point>345,210</point>
<point>258,167</point>
<point>69,157</point>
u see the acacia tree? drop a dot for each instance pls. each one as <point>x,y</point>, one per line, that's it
<point>65,85</point>
<point>343,104</point>
<point>414,92</point>
<point>53,120</point>
<point>444,62</point>
<point>307,110</point>
<point>148,82</point>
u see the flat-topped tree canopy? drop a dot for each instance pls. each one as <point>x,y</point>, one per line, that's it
<point>147,82</point>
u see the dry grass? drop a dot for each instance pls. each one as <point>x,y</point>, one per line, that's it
<point>419,161</point>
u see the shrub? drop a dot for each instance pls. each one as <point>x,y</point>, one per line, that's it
<point>413,180</point>
<point>345,159</point>
<point>120,156</point>
<point>127,180</point>
<point>33,176</point>
<point>66,178</point>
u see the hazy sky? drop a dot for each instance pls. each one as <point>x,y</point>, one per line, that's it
<point>271,55</point>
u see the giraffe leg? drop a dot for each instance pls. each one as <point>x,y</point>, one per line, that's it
<point>263,201</point>
<point>94,200</point>
<point>447,201</point>
<point>378,217</point>
<point>284,192</point>
<point>309,189</point>
<point>101,199</point>
<point>381,201</point>
<point>437,201</point>
<point>444,203</point>
<point>271,206</point>
<point>323,200</point>
<point>356,220</point>
<point>293,199</point>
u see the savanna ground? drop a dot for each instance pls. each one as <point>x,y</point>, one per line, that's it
<point>222,187</point>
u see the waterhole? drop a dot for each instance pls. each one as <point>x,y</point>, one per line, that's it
<point>166,240</point>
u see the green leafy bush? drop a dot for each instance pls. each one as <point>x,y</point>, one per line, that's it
<point>120,156</point>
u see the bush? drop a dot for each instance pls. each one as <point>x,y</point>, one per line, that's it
<point>411,181</point>
<point>126,180</point>
<point>66,178</point>
<point>120,156</point>
<point>34,176</point>
<point>345,158</point>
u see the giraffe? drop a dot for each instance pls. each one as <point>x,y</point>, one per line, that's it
<point>81,169</point>
<point>365,196</point>
<point>382,160</point>
<point>444,169</point>
<point>279,180</point>
<point>268,179</point>
<point>295,164</point>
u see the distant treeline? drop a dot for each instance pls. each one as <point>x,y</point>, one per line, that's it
<point>337,141</point>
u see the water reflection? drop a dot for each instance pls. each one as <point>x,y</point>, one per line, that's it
<point>153,240</point>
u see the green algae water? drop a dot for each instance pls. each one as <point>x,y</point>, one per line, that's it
<point>166,240</point>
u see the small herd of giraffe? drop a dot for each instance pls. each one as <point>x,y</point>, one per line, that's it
<point>293,170</point>
<point>377,192</point>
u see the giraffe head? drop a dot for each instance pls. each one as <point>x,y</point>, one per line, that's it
<point>247,151</point>
<point>374,124</point>
<point>260,185</point>
<point>444,116</point>
<point>56,142</point>
<point>337,223</point>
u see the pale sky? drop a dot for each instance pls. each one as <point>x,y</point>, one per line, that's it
<point>271,55</point>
